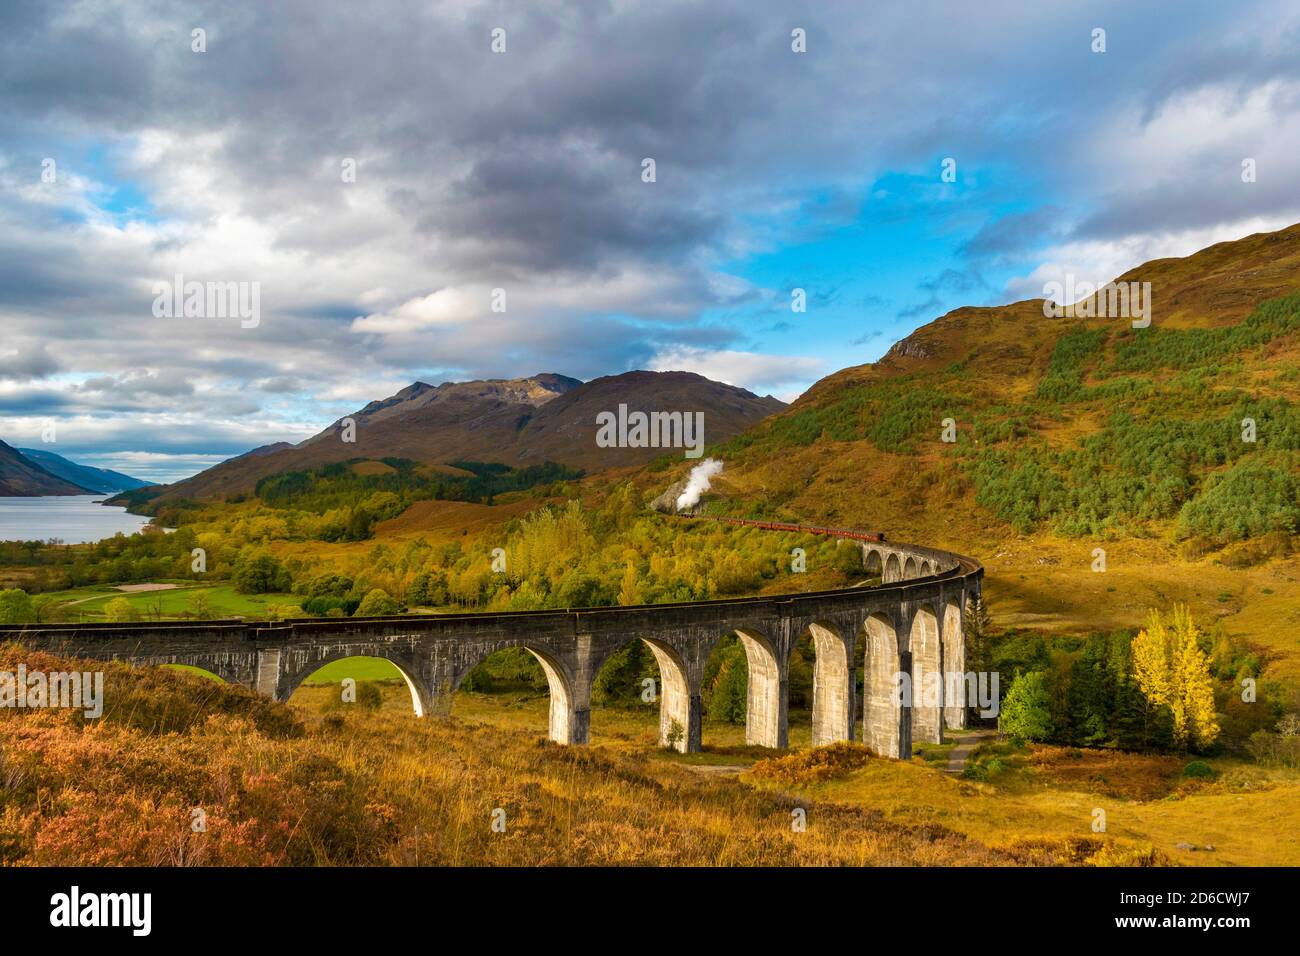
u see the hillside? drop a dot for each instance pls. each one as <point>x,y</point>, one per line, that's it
<point>1079,426</point>
<point>22,477</point>
<point>1073,434</point>
<point>100,480</point>
<point>515,422</point>
<point>311,786</point>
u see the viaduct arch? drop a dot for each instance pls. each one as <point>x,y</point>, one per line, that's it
<point>906,630</point>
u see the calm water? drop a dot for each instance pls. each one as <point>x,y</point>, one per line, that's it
<point>73,519</point>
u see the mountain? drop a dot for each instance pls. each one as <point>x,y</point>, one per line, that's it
<point>22,477</point>
<point>1075,427</point>
<point>564,430</point>
<point>100,480</point>
<point>513,421</point>
<point>453,402</point>
<point>263,450</point>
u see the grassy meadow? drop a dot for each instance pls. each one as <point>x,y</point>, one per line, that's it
<point>1013,798</point>
<point>281,785</point>
<point>87,603</point>
<point>317,782</point>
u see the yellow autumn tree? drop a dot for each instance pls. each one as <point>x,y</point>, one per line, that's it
<point>1172,670</point>
<point>119,610</point>
<point>1151,660</point>
<point>629,591</point>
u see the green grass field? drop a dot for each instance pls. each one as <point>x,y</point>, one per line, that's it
<point>224,600</point>
<point>197,671</point>
<point>358,668</point>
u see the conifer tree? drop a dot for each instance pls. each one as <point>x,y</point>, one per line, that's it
<point>977,624</point>
<point>1090,695</point>
<point>1025,712</point>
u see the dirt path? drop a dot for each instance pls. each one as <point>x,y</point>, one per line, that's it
<point>966,745</point>
<point>716,769</point>
<point>132,589</point>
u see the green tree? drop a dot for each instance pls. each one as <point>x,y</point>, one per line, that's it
<point>582,589</point>
<point>358,526</point>
<point>15,607</point>
<point>262,574</point>
<point>619,680</point>
<point>801,673</point>
<point>728,693</point>
<point>1090,695</point>
<point>977,626</point>
<point>46,608</point>
<point>377,604</point>
<point>418,593</point>
<point>330,585</point>
<point>1026,712</point>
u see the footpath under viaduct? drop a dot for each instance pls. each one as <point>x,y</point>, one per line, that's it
<point>910,623</point>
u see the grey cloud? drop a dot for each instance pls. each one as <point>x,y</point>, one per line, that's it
<point>139,384</point>
<point>27,361</point>
<point>33,401</point>
<point>524,169</point>
<point>1016,233</point>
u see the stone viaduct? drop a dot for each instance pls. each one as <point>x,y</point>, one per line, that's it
<point>909,624</point>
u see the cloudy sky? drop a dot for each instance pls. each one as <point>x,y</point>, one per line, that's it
<point>523,170</point>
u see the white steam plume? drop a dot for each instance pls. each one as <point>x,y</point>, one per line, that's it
<point>698,483</point>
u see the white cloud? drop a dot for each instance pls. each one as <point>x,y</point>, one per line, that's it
<point>752,370</point>
<point>1098,262</point>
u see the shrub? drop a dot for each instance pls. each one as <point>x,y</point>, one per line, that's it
<point>377,604</point>
<point>814,766</point>
<point>15,607</point>
<point>983,768</point>
<point>263,574</point>
<point>119,610</point>
<point>369,695</point>
<point>1198,769</point>
<point>200,607</point>
<point>329,585</point>
<point>331,606</point>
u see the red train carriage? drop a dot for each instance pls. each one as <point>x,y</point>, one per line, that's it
<point>802,528</point>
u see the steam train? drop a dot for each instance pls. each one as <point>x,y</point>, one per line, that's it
<point>781,526</point>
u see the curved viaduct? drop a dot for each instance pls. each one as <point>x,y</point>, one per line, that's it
<point>910,624</point>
